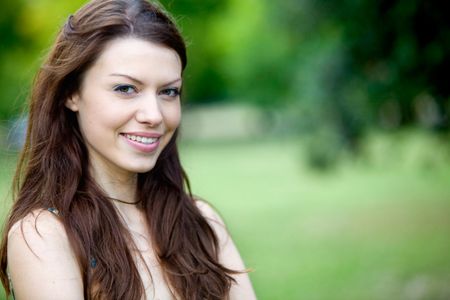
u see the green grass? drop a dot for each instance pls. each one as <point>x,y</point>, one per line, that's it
<point>374,228</point>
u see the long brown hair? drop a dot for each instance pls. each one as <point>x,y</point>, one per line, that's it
<point>53,171</point>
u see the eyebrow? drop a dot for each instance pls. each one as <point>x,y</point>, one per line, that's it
<point>139,81</point>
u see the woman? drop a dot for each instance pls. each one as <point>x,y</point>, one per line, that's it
<point>101,210</point>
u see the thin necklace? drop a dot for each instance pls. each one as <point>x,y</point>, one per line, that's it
<point>125,202</point>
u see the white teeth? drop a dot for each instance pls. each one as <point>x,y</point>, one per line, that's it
<point>141,139</point>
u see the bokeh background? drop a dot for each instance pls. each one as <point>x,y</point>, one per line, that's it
<point>319,130</point>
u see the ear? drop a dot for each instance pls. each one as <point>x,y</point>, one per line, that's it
<point>72,102</point>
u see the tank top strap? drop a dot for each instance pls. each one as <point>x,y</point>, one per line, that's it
<point>54,211</point>
<point>11,296</point>
<point>92,260</point>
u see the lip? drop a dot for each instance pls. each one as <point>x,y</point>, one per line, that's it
<point>144,134</point>
<point>139,146</point>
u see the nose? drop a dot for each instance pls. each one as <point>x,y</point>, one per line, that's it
<point>149,111</point>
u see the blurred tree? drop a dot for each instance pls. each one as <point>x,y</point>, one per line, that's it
<point>203,80</point>
<point>27,29</point>
<point>339,67</point>
<point>12,41</point>
<point>401,50</point>
<point>237,53</point>
<point>366,63</point>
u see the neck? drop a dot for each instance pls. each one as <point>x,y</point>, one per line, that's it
<point>125,202</point>
<point>120,186</point>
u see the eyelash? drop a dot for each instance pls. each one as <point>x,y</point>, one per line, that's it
<point>120,89</point>
<point>125,90</point>
<point>174,92</point>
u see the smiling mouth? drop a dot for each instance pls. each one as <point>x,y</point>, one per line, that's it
<point>142,139</point>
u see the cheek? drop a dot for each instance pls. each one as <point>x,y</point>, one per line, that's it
<point>172,116</point>
<point>102,114</point>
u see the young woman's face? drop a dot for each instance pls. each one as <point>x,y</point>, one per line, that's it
<point>128,105</point>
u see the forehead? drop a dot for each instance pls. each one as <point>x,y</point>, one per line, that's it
<point>137,57</point>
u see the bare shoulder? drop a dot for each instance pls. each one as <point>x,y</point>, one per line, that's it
<point>228,253</point>
<point>210,213</point>
<point>37,224</point>
<point>38,246</point>
<point>215,221</point>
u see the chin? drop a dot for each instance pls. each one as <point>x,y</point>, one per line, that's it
<point>143,168</point>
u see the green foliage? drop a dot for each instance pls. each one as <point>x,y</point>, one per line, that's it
<point>342,66</point>
<point>27,29</point>
<point>235,51</point>
<point>11,53</point>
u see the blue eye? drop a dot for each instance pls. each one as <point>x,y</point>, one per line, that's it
<point>171,92</point>
<point>125,89</point>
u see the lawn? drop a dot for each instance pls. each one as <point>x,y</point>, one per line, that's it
<point>374,228</point>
